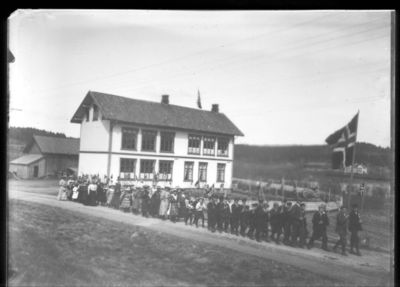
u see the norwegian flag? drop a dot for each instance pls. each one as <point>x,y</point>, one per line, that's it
<point>342,142</point>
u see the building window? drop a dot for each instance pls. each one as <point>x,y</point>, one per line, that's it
<point>188,171</point>
<point>95,113</point>
<point>165,169</point>
<point>167,142</point>
<point>146,169</point>
<point>221,172</point>
<point>209,146</point>
<point>87,114</point>
<point>129,138</point>
<point>202,171</point>
<point>127,168</point>
<point>148,140</point>
<point>223,144</point>
<point>194,144</point>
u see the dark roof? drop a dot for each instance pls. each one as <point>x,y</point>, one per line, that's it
<point>142,112</point>
<point>55,145</point>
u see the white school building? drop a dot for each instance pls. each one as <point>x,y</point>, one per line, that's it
<point>147,142</point>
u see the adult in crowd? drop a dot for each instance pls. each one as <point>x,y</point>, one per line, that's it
<point>236,209</point>
<point>190,209</point>
<point>164,203</point>
<point>275,221</point>
<point>354,227</point>
<point>286,221</point>
<point>155,202</point>
<point>244,218</point>
<point>136,200</point>
<point>320,222</point>
<point>199,212</point>
<point>259,217</point>
<point>126,199</point>
<point>225,215</point>
<point>341,229</point>
<point>252,220</point>
<point>211,211</point>
<point>173,206</point>
<point>62,191</point>
<point>296,219</point>
<point>92,193</point>
<point>145,201</point>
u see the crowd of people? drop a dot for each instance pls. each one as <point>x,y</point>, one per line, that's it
<point>284,222</point>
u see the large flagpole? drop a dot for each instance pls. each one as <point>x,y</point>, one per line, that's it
<point>352,167</point>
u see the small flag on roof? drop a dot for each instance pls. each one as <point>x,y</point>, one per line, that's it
<point>198,100</point>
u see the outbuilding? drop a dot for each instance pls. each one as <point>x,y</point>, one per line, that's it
<point>46,156</point>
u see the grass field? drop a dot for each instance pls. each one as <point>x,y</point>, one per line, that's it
<point>51,246</point>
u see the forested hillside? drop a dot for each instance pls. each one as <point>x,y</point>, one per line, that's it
<point>366,153</point>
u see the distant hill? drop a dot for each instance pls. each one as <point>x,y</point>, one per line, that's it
<point>26,134</point>
<point>366,153</point>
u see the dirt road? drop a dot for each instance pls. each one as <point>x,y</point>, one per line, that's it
<point>369,270</point>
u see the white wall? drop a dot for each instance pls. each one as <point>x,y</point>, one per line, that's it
<point>92,163</point>
<point>94,135</point>
<point>95,138</point>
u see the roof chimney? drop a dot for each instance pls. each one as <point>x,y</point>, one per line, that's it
<point>215,108</point>
<point>165,99</point>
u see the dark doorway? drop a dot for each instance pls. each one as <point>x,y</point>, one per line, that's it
<point>35,171</point>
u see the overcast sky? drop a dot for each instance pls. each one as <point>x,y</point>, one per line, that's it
<point>281,77</point>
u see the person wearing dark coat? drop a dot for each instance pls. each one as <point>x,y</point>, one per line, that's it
<point>155,202</point>
<point>303,227</point>
<point>275,221</point>
<point>258,221</point>
<point>236,210</point>
<point>252,221</point>
<point>297,224</point>
<point>244,218</point>
<point>320,222</point>
<point>286,221</point>
<point>218,214</point>
<point>211,217</point>
<point>101,195</point>
<point>265,228</point>
<point>341,229</point>
<point>226,215</point>
<point>354,228</point>
<point>145,202</point>
<point>83,193</point>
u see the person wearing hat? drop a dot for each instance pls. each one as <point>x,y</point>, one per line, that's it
<point>173,206</point>
<point>354,227</point>
<point>303,227</point>
<point>226,215</point>
<point>276,227</point>
<point>236,209</point>
<point>286,221</point>
<point>145,201</point>
<point>164,203</point>
<point>244,217</point>
<point>252,220</point>
<point>341,229</point>
<point>155,202</point>
<point>297,222</point>
<point>259,220</point>
<point>265,228</point>
<point>199,212</point>
<point>320,222</point>
<point>218,213</point>
<point>211,210</point>
<point>189,212</point>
